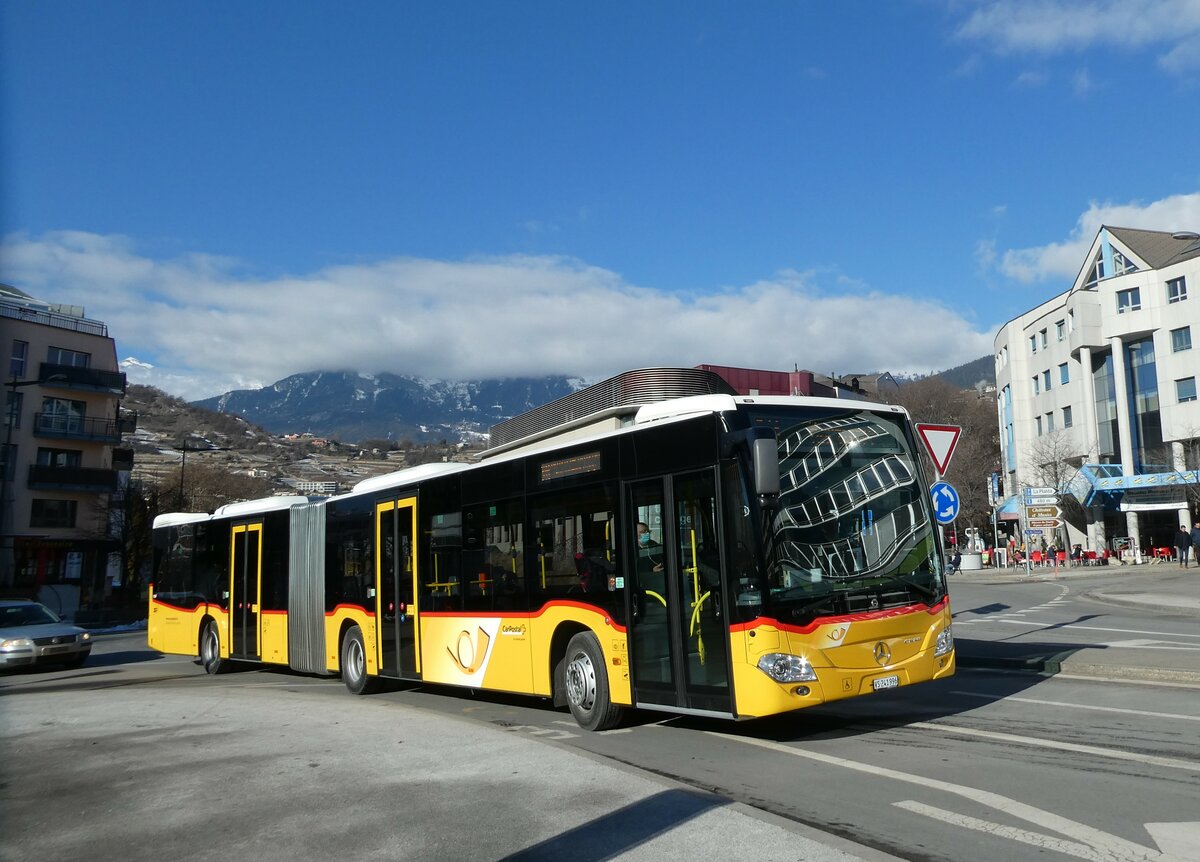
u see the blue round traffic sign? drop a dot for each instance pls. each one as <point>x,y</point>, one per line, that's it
<point>945,502</point>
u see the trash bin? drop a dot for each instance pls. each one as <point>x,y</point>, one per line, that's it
<point>972,561</point>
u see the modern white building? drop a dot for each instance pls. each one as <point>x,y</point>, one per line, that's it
<point>1096,390</point>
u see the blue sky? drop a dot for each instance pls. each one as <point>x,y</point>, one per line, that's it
<point>247,190</point>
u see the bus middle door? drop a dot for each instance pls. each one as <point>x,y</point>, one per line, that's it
<point>678,636</point>
<point>395,604</point>
<point>245,573</point>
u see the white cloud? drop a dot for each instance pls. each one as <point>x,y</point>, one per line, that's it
<point>1031,79</point>
<point>1057,26</point>
<point>205,326</point>
<point>1063,259</point>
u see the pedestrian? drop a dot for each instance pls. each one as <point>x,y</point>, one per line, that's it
<point>1183,541</point>
<point>1196,543</point>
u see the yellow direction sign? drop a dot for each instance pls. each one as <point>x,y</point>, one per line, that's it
<point>1042,511</point>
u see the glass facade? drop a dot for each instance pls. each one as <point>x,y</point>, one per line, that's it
<point>1106,410</point>
<point>1146,421</point>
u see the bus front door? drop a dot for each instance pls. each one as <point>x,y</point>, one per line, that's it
<point>678,635</point>
<point>395,603</point>
<point>245,569</point>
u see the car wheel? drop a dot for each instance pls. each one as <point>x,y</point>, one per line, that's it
<point>354,664</point>
<point>587,685</point>
<point>210,649</point>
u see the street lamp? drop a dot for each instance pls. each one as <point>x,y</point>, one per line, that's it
<point>10,419</point>
<point>183,450</point>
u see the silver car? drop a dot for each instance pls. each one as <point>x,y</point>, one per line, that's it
<point>31,633</point>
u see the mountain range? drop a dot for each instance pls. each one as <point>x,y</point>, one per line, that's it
<point>355,407</point>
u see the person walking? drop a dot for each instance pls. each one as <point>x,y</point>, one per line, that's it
<point>1183,541</point>
<point>1196,543</point>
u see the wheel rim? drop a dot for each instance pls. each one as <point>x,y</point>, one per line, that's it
<point>355,660</point>
<point>581,682</point>
<point>211,648</point>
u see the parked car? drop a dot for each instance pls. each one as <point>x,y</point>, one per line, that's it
<point>31,633</point>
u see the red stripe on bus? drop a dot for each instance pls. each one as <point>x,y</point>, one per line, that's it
<point>844,618</point>
<point>527,615</point>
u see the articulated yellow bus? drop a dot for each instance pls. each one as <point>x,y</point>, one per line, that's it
<point>655,541</point>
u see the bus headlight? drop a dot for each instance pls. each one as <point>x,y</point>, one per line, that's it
<point>945,642</point>
<point>783,667</point>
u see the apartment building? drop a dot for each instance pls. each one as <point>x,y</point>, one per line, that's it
<point>60,500</point>
<point>1096,394</point>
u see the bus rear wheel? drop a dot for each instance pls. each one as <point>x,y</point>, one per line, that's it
<point>587,684</point>
<point>210,649</point>
<point>354,664</point>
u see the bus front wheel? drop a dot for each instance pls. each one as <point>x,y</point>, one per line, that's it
<point>587,684</point>
<point>354,664</point>
<point>210,649</point>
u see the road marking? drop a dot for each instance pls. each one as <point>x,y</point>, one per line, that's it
<point>1102,629</point>
<point>1147,759</point>
<point>1036,839</point>
<point>1111,847</point>
<point>1138,712</point>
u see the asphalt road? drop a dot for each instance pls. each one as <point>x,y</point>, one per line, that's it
<point>136,756</point>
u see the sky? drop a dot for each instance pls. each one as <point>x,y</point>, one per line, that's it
<point>246,190</point>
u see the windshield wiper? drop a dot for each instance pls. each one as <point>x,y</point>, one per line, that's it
<point>921,589</point>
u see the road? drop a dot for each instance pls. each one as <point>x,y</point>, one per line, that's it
<point>986,765</point>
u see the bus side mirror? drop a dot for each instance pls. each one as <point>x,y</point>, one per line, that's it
<point>765,456</point>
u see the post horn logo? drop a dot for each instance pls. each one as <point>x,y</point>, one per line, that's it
<point>838,634</point>
<point>470,656</point>
<point>883,653</point>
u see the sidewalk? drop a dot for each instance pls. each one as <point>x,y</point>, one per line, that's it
<point>1164,588</point>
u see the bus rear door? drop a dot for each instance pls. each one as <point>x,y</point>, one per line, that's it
<point>395,603</point>
<point>679,640</point>
<point>245,574</point>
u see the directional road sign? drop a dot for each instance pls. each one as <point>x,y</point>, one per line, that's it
<point>1033,532</point>
<point>939,441</point>
<point>1041,501</point>
<point>1040,492</point>
<point>1042,511</point>
<point>1047,523</point>
<point>945,502</point>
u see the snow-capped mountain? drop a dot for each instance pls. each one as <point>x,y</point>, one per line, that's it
<point>356,407</point>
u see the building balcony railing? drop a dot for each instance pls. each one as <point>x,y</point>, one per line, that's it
<point>127,422</point>
<point>64,426</point>
<point>18,311</point>
<point>86,379</point>
<point>72,478</point>
<point>122,459</point>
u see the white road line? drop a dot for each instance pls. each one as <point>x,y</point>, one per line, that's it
<point>1036,839</point>
<point>1137,712</point>
<point>1112,847</point>
<point>1103,629</point>
<point>1057,745</point>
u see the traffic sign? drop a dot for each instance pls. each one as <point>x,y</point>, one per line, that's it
<point>939,441</point>
<point>1041,501</point>
<point>1042,511</point>
<point>945,502</point>
<point>1040,492</point>
<point>1033,532</point>
<point>1048,523</point>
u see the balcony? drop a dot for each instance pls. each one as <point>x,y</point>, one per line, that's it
<point>82,379</point>
<point>72,479</point>
<point>127,422</point>
<point>122,459</point>
<point>65,426</point>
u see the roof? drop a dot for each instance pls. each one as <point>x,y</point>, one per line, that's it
<point>1158,248</point>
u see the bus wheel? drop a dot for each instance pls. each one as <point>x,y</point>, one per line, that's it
<point>210,649</point>
<point>354,664</point>
<point>587,684</point>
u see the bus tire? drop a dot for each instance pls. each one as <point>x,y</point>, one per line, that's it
<point>354,664</point>
<point>210,649</point>
<point>587,684</point>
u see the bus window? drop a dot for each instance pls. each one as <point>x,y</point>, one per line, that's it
<point>493,559</point>
<point>576,551</point>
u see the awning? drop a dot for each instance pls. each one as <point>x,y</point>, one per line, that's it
<point>1009,510</point>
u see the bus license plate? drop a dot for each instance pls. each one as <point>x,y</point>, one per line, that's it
<point>892,681</point>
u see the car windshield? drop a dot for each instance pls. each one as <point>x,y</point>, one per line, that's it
<point>26,615</point>
<point>853,522</point>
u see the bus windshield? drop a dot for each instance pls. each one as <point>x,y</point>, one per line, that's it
<point>853,531</point>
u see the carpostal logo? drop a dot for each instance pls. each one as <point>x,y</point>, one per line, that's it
<point>514,629</point>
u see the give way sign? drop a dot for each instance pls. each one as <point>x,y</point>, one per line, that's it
<point>939,441</point>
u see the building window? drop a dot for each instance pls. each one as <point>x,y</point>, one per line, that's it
<point>16,364</point>
<point>1176,290</point>
<point>1037,384</point>
<point>1185,389</point>
<point>47,457</point>
<point>1038,420</point>
<point>1043,335</point>
<point>1071,320</point>
<point>1033,344</point>
<point>74,358</point>
<point>1004,353</point>
<point>1129,300</point>
<point>1181,339</point>
<point>1046,379</point>
<point>1067,420</point>
<point>1064,376</point>
<point>52,513</point>
<point>15,401</point>
<point>1049,422</point>
<point>1122,264</point>
<point>1060,330</point>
